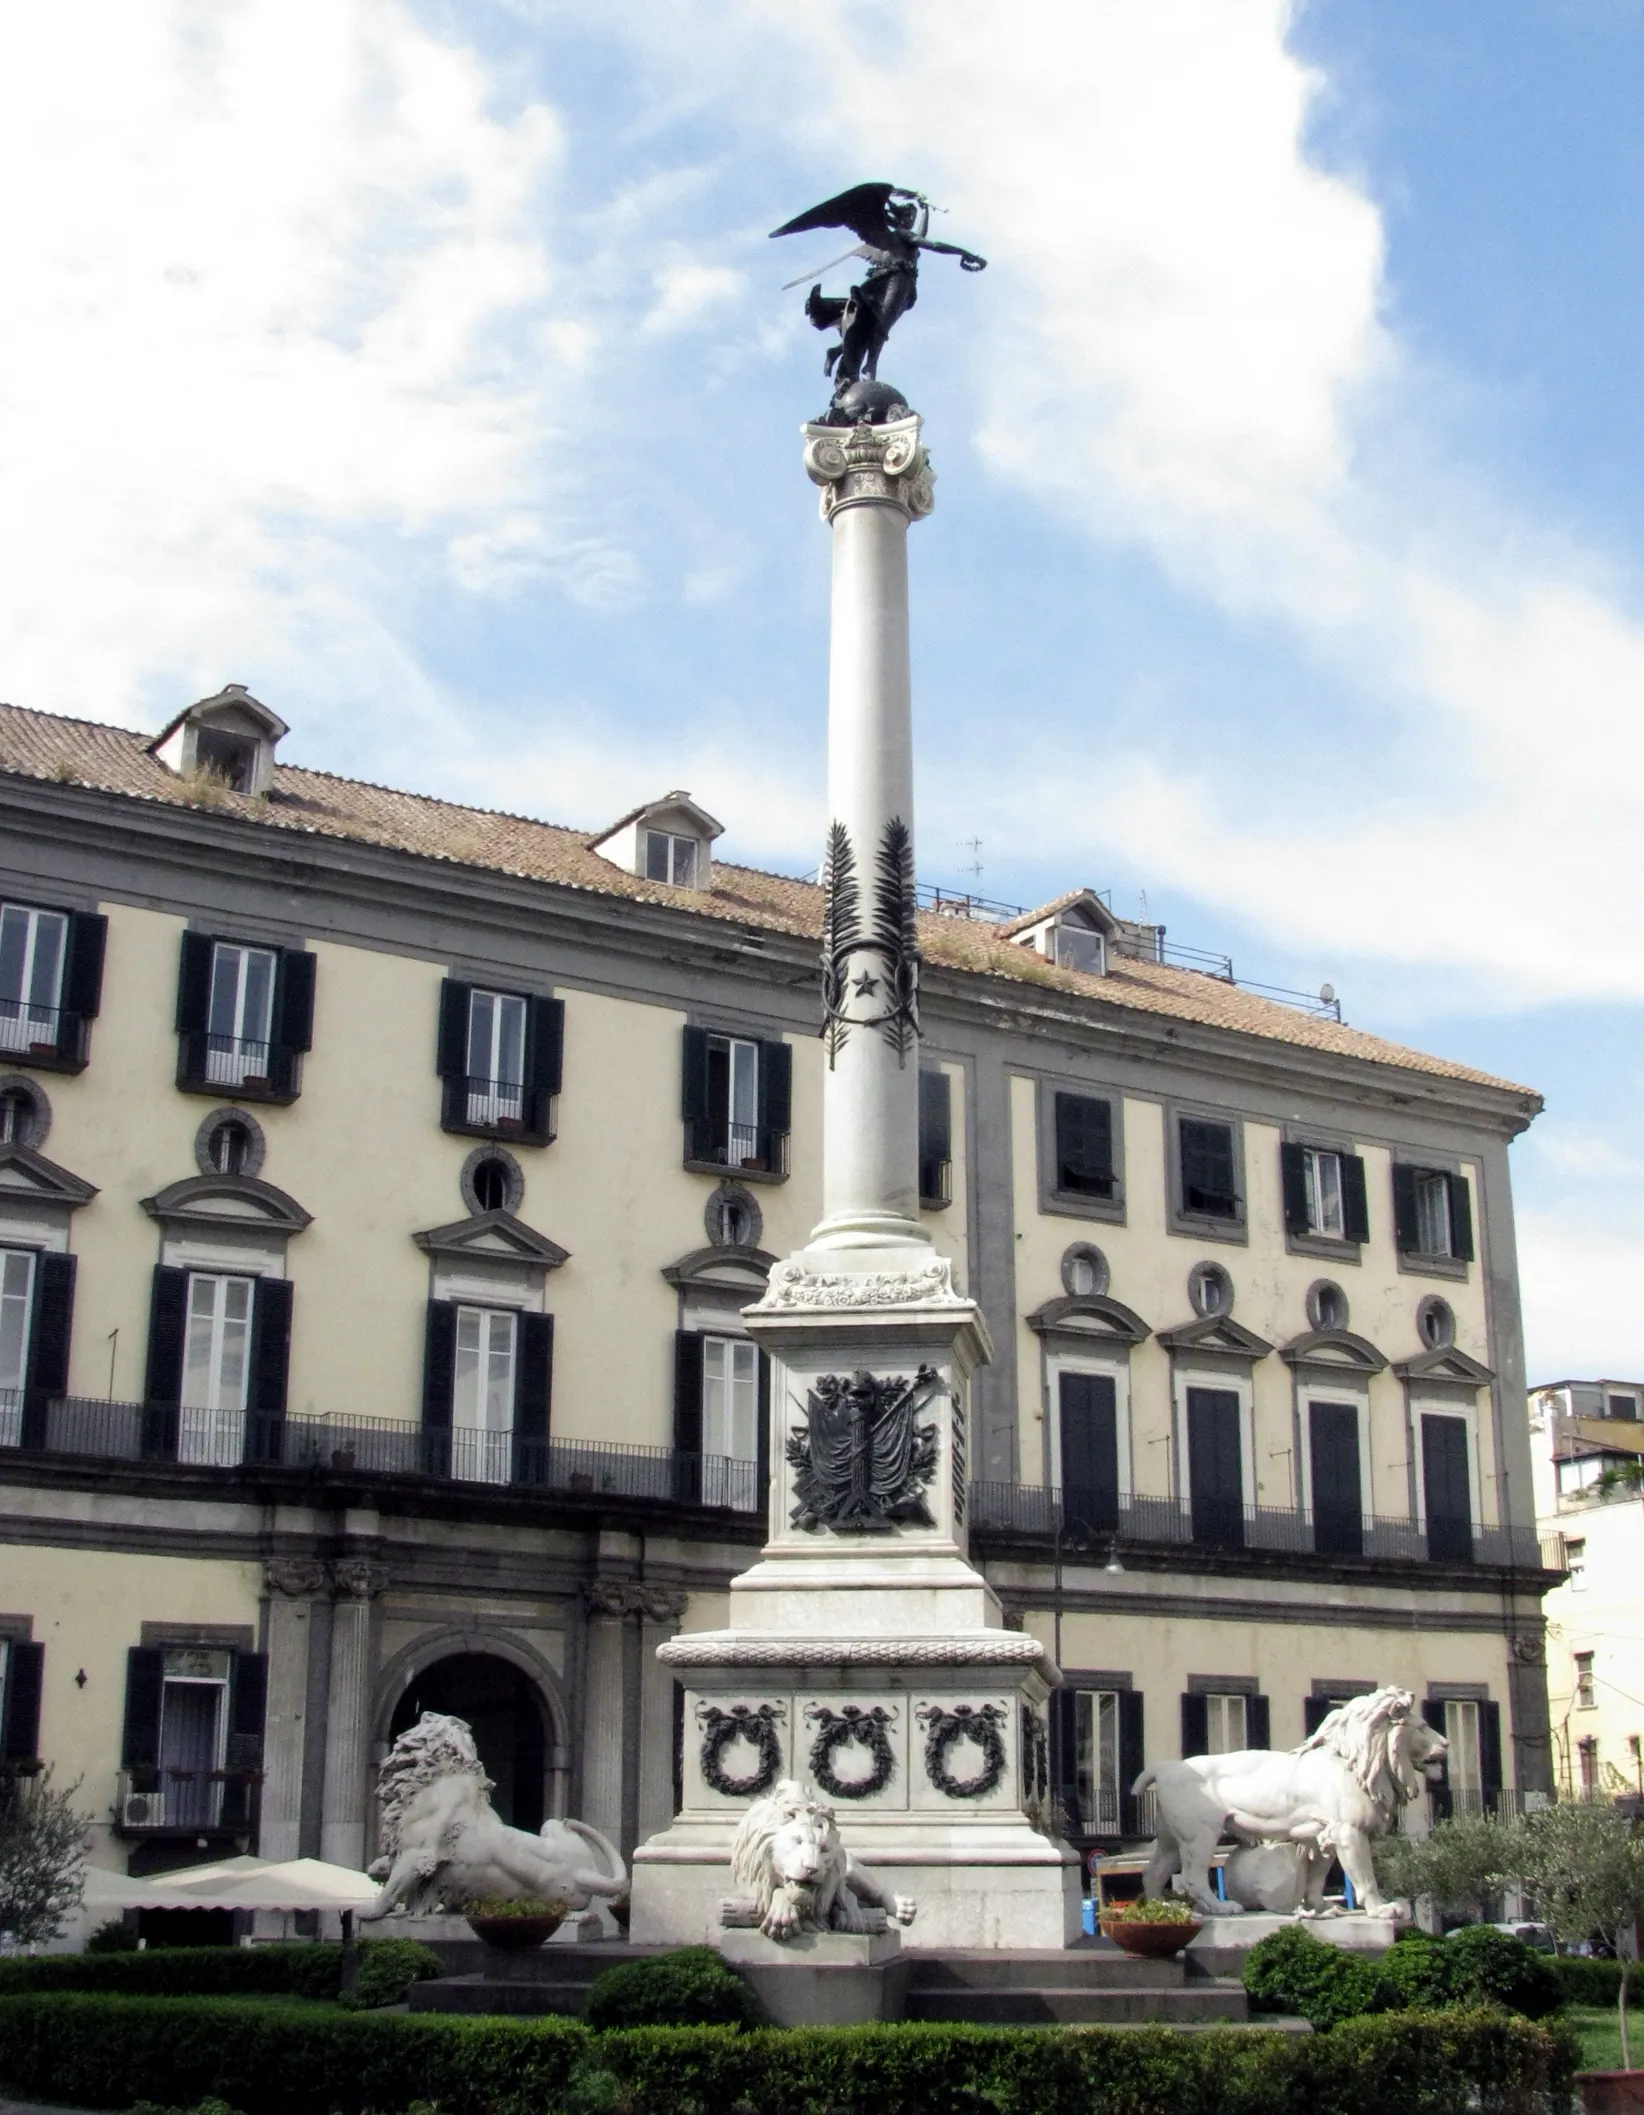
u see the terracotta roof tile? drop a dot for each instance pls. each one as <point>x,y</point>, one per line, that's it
<point>115,760</point>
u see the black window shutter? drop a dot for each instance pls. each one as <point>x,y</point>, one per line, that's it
<point>50,1328</point>
<point>1355,1199</point>
<point>1405,1235</point>
<point>163,1383</point>
<point>243,1751</point>
<point>763,1471</point>
<point>935,1134</point>
<point>1461,1218</point>
<point>1258,1722</point>
<point>1064,1755</point>
<point>544,1051</point>
<point>533,1398</point>
<point>1443,1805</point>
<point>83,978</point>
<point>270,1366</point>
<point>439,1374</point>
<point>693,1081</point>
<point>1489,1731</point>
<point>145,1687</point>
<point>193,1006</point>
<point>1130,1754</point>
<point>1208,1175</point>
<point>194,983</point>
<point>1195,1725</point>
<point>1087,1429</point>
<point>1293,1178</point>
<point>1084,1145</point>
<point>25,1671</point>
<point>1315,1710</point>
<point>775,1100</point>
<point>688,1414</point>
<point>294,1000</point>
<point>451,1059</point>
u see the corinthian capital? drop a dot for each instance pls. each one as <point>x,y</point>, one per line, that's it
<point>294,1576</point>
<point>359,1578</point>
<point>871,466</point>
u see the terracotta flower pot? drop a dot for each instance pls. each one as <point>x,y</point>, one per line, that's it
<point>1610,2092</point>
<point>1153,1942</point>
<point>514,1934</point>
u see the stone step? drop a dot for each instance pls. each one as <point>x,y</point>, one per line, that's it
<point>1020,2005</point>
<point>1078,1968</point>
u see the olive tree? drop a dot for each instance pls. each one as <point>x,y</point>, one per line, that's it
<point>1463,1866</point>
<point>42,1858</point>
<point>1585,1865</point>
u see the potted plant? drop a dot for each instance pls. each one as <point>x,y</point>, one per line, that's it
<point>514,1923</point>
<point>1152,1929</point>
<point>1584,1862</point>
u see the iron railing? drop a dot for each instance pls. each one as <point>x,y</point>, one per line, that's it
<point>27,1027</point>
<point>1045,1514</point>
<point>113,1431</point>
<point>247,1066</point>
<point>755,1148</point>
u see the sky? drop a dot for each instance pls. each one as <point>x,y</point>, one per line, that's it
<point>426,368</point>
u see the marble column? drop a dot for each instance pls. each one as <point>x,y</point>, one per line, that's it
<point>875,480</point>
<point>604,1733</point>
<point>358,1580</point>
<point>292,1584</point>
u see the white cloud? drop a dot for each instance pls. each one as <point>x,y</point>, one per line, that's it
<point>274,285</point>
<point>1579,1273</point>
<point>687,294</point>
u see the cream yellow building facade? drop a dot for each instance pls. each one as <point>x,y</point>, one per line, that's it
<point>381,1181</point>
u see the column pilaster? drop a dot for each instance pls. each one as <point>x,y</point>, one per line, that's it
<point>604,1742</point>
<point>660,1610</point>
<point>293,1585</point>
<point>358,1582</point>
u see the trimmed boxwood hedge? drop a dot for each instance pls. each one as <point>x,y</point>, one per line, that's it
<point>283,2059</point>
<point>1585,1982</point>
<point>310,1971</point>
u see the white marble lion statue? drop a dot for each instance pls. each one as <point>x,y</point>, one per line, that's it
<point>443,1844</point>
<point>798,1874</point>
<point>1334,1796</point>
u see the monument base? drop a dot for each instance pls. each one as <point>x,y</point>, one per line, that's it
<point>1220,1948</point>
<point>819,1978</point>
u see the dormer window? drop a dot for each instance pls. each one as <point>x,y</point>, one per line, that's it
<point>227,741</point>
<point>1074,933</point>
<point>1077,947</point>
<point>668,840</point>
<point>670,858</point>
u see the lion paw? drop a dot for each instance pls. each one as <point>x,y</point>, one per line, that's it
<point>904,1909</point>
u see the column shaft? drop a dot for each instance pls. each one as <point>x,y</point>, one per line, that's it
<point>342,1826</point>
<point>603,1744</point>
<point>289,1626</point>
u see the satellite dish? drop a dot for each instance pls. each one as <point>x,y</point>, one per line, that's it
<point>1327,994</point>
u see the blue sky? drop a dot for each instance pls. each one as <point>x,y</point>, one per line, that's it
<point>425,367</point>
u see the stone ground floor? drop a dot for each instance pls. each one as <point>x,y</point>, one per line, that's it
<point>219,1671</point>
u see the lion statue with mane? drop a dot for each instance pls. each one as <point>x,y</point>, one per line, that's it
<point>1334,1796</point>
<point>443,1843</point>
<point>799,1875</point>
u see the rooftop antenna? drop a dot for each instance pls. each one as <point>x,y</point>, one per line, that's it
<point>973,845</point>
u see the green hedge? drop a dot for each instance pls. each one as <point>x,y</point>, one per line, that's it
<point>96,2051</point>
<point>1585,1982</point>
<point>185,1971</point>
<point>270,2059</point>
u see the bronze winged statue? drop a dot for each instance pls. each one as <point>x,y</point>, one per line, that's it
<point>892,224</point>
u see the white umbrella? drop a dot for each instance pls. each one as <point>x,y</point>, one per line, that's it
<point>220,1870</point>
<point>106,1890</point>
<point>295,1883</point>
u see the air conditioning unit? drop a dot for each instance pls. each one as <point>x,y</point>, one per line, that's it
<point>143,1810</point>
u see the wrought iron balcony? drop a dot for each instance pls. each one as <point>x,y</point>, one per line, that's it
<point>42,1035</point>
<point>163,1801</point>
<point>752,1149</point>
<point>496,1108</point>
<point>248,1067</point>
<point>1050,1516</point>
<point>89,1428</point>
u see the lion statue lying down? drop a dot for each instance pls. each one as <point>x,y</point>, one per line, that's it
<point>1335,1795</point>
<point>443,1843</point>
<point>798,1874</point>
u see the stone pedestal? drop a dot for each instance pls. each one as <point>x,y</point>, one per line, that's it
<point>820,1978</point>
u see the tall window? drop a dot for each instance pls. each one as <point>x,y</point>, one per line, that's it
<point>1209,1184</point>
<point>1465,1761</point>
<point>733,1100</point>
<point>240,1017</point>
<point>496,1058</point>
<point>1084,1146</point>
<point>1088,1449</point>
<point>1225,1725</point>
<point>1322,1174</point>
<point>1215,1466</point>
<point>1095,1789</point>
<point>730,1417</point>
<point>193,1731</point>
<point>32,948</point>
<point>216,1370</point>
<point>1575,1563</point>
<point>671,859</point>
<point>1447,1489</point>
<point>1433,1214</point>
<point>1587,1754</point>
<point>482,1400</point>
<point>16,1305</point>
<point>1584,1681</point>
<point>1338,1503</point>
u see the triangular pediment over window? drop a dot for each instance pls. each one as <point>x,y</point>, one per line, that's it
<point>28,1177</point>
<point>492,1237</point>
<point>226,1204</point>
<point>1447,1365</point>
<point>722,1269</point>
<point>1091,1316</point>
<point>1216,1336</point>
<point>1337,1350</point>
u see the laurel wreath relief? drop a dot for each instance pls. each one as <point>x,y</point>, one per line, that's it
<point>758,1728</point>
<point>945,1729</point>
<point>852,1727</point>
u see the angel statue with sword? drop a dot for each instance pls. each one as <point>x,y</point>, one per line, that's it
<point>892,223</point>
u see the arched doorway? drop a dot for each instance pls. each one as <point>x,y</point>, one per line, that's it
<point>509,1722</point>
